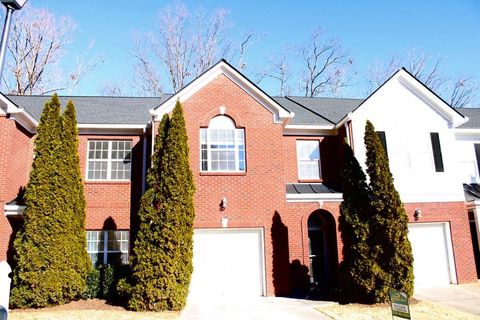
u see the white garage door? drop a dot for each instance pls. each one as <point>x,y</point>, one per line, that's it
<point>432,254</point>
<point>227,262</point>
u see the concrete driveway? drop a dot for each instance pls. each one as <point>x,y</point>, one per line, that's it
<point>464,297</point>
<point>254,308</point>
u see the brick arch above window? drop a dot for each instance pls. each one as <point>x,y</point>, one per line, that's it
<point>215,112</point>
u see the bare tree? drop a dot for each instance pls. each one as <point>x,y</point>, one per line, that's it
<point>113,89</point>
<point>36,45</point>
<point>430,71</point>
<point>463,92</point>
<point>322,59</point>
<point>184,44</point>
<point>279,70</point>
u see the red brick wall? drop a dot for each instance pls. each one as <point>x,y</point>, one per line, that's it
<point>110,199</point>
<point>457,215</point>
<point>15,161</point>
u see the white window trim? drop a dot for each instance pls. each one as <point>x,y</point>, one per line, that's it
<point>109,160</point>
<point>319,177</point>
<point>105,250</point>
<point>236,150</point>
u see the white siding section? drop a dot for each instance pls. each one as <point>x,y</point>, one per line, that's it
<point>467,162</point>
<point>407,120</point>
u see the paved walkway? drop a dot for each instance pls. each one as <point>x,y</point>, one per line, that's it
<point>255,308</point>
<point>464,297</point>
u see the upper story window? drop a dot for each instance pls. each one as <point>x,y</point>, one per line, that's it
<point>308,158</point>
<point>437,151</point>
<point>109,160</point>
<point>383,141</point>
<point>222,146</point>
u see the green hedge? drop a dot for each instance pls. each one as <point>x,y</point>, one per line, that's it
<point>102,282</point>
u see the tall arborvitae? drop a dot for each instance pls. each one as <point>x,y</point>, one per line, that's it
<point>389,223</point>
<point>74,201</point>
<point>163,249</point>
<point>48,270</point>
<point>146,292</point>
<point>357,270</point>
<point>178,211</point>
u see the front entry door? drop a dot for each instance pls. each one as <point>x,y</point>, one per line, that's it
<point>318,254</point>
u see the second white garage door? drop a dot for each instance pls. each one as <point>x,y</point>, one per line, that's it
<point>432,253</point>
<point>228,262</point>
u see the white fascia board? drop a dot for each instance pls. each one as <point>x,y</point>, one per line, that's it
<point>13,210</point>
<point>25,120</point>
<point>416,87</point>
<point>472,204</point>
<point>96,128</point>
<point>467,132</point>
<point>309,130</point>
<point>314,197</point>
<point>279,113</point>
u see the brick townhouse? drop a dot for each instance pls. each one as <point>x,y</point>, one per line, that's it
<point>267,171</point>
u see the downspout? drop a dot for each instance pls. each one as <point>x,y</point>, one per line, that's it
<point>144,159</point>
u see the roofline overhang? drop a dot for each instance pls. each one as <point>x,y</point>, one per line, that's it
<point>280,114</point>
<point>309,130</point>
<point>468,131</point>
<point>110,128</point>
<point>314,197</point>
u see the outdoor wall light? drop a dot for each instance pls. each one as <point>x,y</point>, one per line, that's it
<point>417,215</point>
<point>223,204</point>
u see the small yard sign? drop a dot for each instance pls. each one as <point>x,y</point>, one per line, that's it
<point>399,304</point>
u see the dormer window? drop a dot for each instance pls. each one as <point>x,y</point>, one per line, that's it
<point>222,146</point>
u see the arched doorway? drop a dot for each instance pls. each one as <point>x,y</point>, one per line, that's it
<point>322,244</point>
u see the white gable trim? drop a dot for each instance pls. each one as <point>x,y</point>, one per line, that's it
<point>21,116</point>
<point>422,92</point>
<point>279,113</point>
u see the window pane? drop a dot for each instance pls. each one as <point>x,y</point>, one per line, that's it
<point>308,156</point>
<point>222,146</point>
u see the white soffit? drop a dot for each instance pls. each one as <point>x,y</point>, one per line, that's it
<point>279,113</point>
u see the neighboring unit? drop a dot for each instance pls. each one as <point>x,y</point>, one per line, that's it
<point>268,178</point>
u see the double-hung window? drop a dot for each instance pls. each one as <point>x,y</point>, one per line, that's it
<point>308,158</point>
<point>108,247</point>
<point>222,146</point>
<point>109,160</point>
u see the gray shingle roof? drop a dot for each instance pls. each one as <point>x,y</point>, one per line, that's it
<point>333,109</point>
<point>473,115</point>
<point>303,188</point>
<point>98,110</point>
<point>302,114</point>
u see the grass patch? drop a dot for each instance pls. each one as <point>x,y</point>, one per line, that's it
<point>418,311</point>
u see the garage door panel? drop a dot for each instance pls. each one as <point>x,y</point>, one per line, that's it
<point>430,247</point>
<point>227,262</point>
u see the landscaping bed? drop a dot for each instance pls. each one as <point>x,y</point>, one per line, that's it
<point>418,311</point>
<point>87,310</point>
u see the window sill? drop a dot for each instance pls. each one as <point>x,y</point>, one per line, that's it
<point>107,182</point>
<point>205,173</point>
<point>310,180</point>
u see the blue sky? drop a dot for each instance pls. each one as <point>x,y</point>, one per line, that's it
<point>369,30</point>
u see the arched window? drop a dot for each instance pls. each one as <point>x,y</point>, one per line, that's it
<point>222,146</point>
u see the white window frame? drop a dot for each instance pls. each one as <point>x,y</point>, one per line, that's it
<point>105,250</point>
<point>109,160</point>
<point>238,136</point>
<point>311,161</point>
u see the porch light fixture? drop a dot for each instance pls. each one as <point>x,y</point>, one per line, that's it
<point>223,204</point>
<point>11,6</point>
<point>417,215</point>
